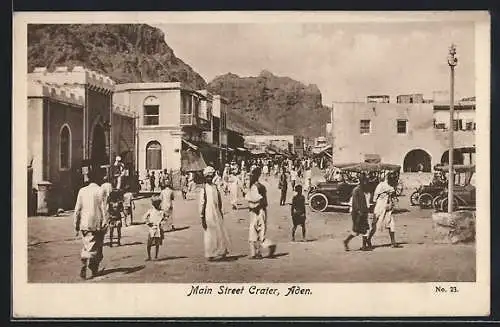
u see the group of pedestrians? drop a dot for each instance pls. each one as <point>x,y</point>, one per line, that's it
<point>373,212</point>
<point>99,208</point>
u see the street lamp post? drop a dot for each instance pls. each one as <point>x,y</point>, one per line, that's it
<point>452,62</point>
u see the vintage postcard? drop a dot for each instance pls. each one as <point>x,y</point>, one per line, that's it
<point>251,164</point>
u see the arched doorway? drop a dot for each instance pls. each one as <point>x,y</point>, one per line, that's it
<point>458,157</point>
<point>417,160</point>
<point>98,153</point>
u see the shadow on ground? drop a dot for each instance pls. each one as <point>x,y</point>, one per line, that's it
<point>277,255</point>
<point>171,258</point>
<point>125,270</point>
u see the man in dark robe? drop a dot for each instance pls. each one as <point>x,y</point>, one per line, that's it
<point>359,214</point>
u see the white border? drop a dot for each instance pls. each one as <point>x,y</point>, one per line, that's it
<point>354,299</point>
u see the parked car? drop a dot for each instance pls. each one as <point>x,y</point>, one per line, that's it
<point>464,189</point>
<point>342,179</point>
<point>424,194</point>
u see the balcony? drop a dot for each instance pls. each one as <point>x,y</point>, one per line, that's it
<point>187,120</point>
<point>192,120</point>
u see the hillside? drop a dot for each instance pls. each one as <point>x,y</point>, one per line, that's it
<point>264,104</point>
<point>125,52</point>
<point>277,105</point>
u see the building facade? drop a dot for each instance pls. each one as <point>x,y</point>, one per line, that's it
<point>175,126</point>
<point>286,143</point>
<point>72,120</point>
<point>407,134</point>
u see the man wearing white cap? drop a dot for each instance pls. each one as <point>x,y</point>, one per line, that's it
<point>118,172</point>
<point>215,236</point>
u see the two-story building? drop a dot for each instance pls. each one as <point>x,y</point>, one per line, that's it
<point>72,120</point>
<point>409,134</point>
<point>175,128</point>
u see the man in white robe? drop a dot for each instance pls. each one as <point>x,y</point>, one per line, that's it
<point>235,186</point>
<point>257,204</point>
<point>384,197</point>
<point>215,236</point>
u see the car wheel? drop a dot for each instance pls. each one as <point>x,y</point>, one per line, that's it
<point>318,202</point>
<point>436,202</point>
<point>425,201</point>
<point>414,198</point>
<point>444,205</point>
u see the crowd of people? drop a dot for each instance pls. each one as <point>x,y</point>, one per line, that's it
<point>110,207</point>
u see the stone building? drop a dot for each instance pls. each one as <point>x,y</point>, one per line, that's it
<point>407,134</point>
<point>72,120</point>
<point>286,143</point>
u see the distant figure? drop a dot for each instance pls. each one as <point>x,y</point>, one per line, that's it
<point>283,186</point>
<point>215,237</point>
<point>298,212</point>
<point>167,205</point>
<point>154,218</point>
<point>152,181</point>
<point>191,183</point>
<point>115,212</point>
<point>235,186</point>
<point>118,172</point>
<point>293,177</point>
<point>128,206</point>
<point>91,220</point>
<point>184,185</point>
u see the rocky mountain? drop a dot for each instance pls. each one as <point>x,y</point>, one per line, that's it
<point>274,104</point>
<point>125,52</point>
<point>265,104</point>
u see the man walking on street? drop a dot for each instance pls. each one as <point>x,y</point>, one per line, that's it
<point>91,221</point>
<point>359,213</point>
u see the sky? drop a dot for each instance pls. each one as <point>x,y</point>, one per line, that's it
<point>347,61</point>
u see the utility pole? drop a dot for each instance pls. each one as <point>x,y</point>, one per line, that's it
<point>452,62</point>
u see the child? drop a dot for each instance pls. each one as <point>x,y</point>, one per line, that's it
<point>128,206</point>
<point>115,211</point>
<point>154,218</point>
<point>298,212</point>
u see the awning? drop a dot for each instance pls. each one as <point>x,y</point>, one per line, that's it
<point>189,144</point>
<point>372,158</point>
<point>192,161</point>
<point>321,150</point>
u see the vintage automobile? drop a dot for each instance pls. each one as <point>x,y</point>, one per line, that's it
<point>341,179</point>
<point>464,190</point>
<point>424,194</point>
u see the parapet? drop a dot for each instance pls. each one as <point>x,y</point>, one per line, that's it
<point>62,75</point>
<point>59,93</point>
<point>123,111</point>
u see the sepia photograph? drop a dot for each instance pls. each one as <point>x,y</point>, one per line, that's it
<point>259,159</point>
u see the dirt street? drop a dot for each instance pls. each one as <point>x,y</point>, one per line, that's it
<point>53,250</point>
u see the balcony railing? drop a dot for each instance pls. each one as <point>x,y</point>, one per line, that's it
<point>187,119</point>
<point>192,120</point>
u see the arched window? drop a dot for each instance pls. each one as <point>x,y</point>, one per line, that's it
<point>153,156</point>
<point>65,147</point>
<point>151,111</point>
